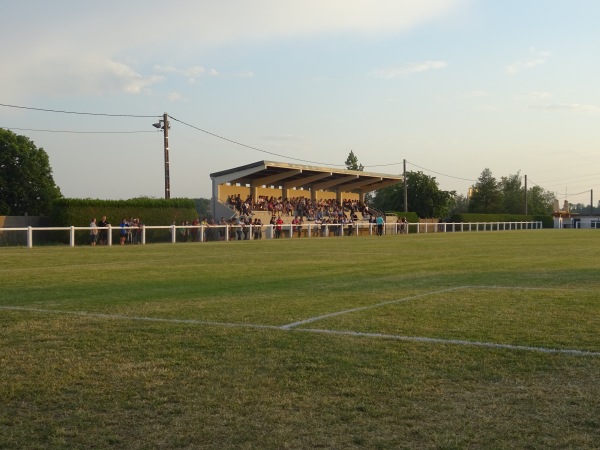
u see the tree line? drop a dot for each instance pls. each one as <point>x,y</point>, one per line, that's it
<point>487,196</point>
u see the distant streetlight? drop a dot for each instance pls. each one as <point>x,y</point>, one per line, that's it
<point>163,124</point>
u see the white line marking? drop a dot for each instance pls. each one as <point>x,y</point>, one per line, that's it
<point>311,330</point>
<point>143,319</point>
<point>362,308</point>
<point>428,340</point>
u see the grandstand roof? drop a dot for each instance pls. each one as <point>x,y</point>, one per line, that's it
<point>267,173</point>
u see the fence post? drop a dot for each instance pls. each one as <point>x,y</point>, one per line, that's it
<point>109,237</point>
<point>143,234</point>
<point>72,236</point>
<point>29,237</point>
<point>173,234</point>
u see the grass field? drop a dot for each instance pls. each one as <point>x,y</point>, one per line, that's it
<point>450,341</point>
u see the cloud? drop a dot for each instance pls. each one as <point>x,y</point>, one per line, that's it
<point>176,97</point>
<point>64,46</point>
<point>82,76</point>
<point>408,69</point>
<point>121,77</point>
<point>567,108</point>
<point>191,73</point>
<point>476,93</point>
<point>537,58</point>
<point>539,95</point>
<point>211,23</point>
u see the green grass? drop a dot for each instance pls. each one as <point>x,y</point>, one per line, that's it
<point>185,346</point>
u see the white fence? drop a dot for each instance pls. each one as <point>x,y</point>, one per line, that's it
<point>178,233</point>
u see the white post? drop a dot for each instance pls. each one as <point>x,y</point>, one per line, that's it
<point>143,234</point>
<point>72,236</point>
<point>173,234</point>
<point>109,232</point>
<point>29,237</point>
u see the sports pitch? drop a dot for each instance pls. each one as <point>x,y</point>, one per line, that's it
<point>446,340</point>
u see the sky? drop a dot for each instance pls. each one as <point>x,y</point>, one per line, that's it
<point>453,87</point>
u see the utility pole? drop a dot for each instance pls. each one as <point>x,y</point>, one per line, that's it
<point>166,142</point>
<point>405,189</point>
<point>163,125</point>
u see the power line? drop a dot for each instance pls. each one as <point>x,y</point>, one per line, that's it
<point>173,118</point>
<point>439,173</point>
<point>251,147</point>
<point>211,134</point>
<point>79,132</point>
<point>77,112</point>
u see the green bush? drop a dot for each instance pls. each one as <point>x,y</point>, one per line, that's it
<point>68,212</point>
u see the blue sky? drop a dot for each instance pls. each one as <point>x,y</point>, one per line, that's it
<point>452,86</point>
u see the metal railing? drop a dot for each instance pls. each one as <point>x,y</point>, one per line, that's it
<point>203,233</point>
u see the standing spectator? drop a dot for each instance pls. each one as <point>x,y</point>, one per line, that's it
<point>185,231</point>
<point>123,231</point>
<point>247,226</point>
<point>196,230</point>
<point>401,225</point>
<point>379,222</point>
<point>278,227</point>
<point>138,231</point>
<point>222,229</point>
<point>103,234</point>
<point>93,232</point>
<point>257,229</point>
<point>239,229</point>
<point>297,222</point>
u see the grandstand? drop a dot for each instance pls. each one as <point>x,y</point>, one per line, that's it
<point>291,183</point>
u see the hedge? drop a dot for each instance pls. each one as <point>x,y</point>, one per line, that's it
<point>68,212</point>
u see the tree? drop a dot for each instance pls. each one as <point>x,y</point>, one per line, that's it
<point>203,207</point>
<point>424,197</point>
<point>513,194</point>
<point>486,195</point>
<point>459,205</point>
<point>539,201</point>
<point>26,182</point>
<point>352,162</point>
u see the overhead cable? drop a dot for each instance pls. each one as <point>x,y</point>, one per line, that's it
<point>251,147</point>
<point>79,132</point>
<point>77,112</point>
